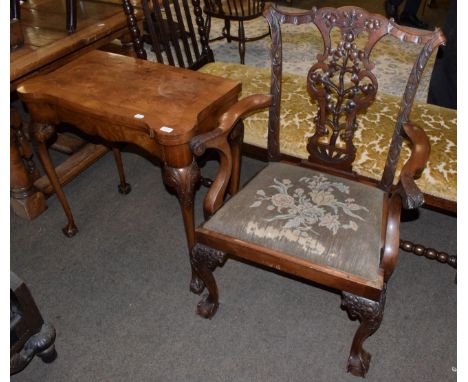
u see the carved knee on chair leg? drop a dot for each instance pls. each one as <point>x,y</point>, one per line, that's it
<point>370,314</point>
<point>204,261</point>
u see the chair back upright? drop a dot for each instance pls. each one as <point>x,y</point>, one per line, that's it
<point>172,35</point>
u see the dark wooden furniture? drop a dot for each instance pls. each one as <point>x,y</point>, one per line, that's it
<point>174,37</point>
<point>29,334</point>
<point>305,222</point>
<point>16,33</point>
<point>234,10</point>
<point>47,47</point>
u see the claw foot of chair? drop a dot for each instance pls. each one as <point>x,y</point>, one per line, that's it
<point>70,230</point>
<point>125,188</point>
<point>207,308</point>
<point>370,314</point>
<point>359,366</point>
<point>204,261</point>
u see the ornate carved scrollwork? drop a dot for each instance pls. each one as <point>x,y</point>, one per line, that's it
<point>431,41</point>
<point>342,83</point>
<point>204,261</point>
<point>370,314</point>
<point>183,180</point>
<point>43,131</point>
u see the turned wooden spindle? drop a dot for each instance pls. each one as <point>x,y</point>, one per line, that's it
<point>429,253</point>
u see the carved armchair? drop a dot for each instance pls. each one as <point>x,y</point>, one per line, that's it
<point>234,10</point>
<point>321,226</point>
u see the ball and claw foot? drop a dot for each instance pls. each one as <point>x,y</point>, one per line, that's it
<point>70,230</point>
<point>125,188</point>
<point>206,308</point>
<point>359,366</point>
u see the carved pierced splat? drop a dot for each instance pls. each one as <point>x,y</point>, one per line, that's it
<point>343,85</point>
<point>342,82</point>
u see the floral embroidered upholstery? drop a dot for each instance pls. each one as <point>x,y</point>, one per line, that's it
<point>309,215</point>
<point>374,133</point>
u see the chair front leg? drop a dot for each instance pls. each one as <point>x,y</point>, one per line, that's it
<point>370,314</point>
<point>204,261</point>
<point>42,132</point>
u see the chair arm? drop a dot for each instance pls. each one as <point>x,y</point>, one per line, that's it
<point>411,195</point>
<point>218,139</point>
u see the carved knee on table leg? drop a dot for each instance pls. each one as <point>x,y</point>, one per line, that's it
<point>204,261</point>
<point>370,314</point>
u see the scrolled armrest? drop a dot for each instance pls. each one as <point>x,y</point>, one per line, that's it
<point>411,195</point>
<point>218,139</point>
<point>228,121</point>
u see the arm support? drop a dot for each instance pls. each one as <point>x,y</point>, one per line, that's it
<point>218,139</point>
<point>391,248</point>
<point>411,195</point>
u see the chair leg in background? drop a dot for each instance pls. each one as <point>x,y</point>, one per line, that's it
<point>227,30</point>
<point>124,187</point>
<point>370,314</point>
<point>241,42</point>
<point>71,16</point>
<point>204,261</point>
<point>42,132</point>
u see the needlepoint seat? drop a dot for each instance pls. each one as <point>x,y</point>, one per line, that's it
<point>310,216</point>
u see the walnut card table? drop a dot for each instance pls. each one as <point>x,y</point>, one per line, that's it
<point>160,108</point>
